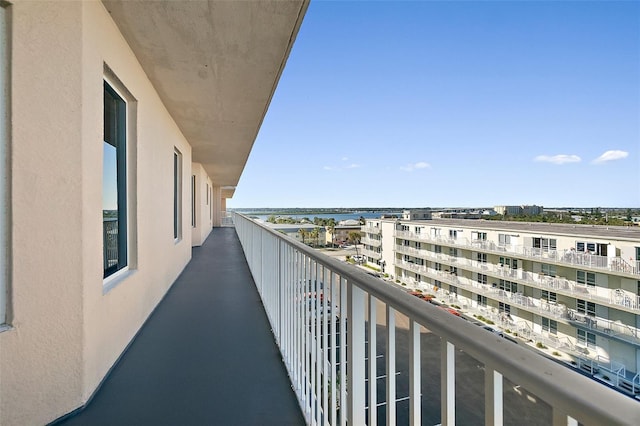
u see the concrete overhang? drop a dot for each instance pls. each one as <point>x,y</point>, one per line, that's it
<point>215,65</point>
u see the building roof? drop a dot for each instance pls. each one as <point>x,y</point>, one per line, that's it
<point>602,231</point>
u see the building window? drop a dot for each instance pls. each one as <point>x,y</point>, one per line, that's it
<point>177,195</point>
<point>586,339</point>
<point>453,252</point>
<point>548,270</point>
<point>507,261</point>
<point>482,278</point>
<point>5,163</point>
<point>453,289</point>
<point>482,236</point>
<point>549,325</point>
<point>586,278</point>
<point>417,229</point>
<point>545,244</point>
<point>453,234</point>
<point>504,239</point>
<point>509,286</point>
<point>193,201</point>
<point>584,307</point>
<point>438,266</point>
<point>482,300</point>
<point>418,278</point>
<point>481,257</point>
<point>114,182</point>
<point>437,249</point>
<point>503,307</point>
<point>549,296</point>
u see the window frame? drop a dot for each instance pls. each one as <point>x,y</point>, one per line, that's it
<point>5,164</point>
<point>177,195</point>
<point>122,180</point>
<point>193,201</point>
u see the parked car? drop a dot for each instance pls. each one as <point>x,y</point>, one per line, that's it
<point>450,310</point>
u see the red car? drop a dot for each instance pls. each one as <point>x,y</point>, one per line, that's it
<point>422,296</point>
<point>450,310</point>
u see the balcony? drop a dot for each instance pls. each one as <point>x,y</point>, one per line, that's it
<point>614,265</point>
<point>371,242</point>
<point>208,353</point>
<point>611,297</point>
<point>371,230</point>
<point>372,254</point>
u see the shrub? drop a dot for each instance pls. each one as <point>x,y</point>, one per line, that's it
<point>540,345</point>
<point>556,353</point>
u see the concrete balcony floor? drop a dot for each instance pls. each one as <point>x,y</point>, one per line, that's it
<point>206,356</point>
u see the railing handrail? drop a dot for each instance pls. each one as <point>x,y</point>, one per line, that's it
<point>565,389</point>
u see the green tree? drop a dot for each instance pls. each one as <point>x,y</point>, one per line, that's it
<point>354,237</point>
<point>303,233</point>
<point>315,233</point>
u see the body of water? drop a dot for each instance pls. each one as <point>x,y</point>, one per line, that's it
<point>337,216</point>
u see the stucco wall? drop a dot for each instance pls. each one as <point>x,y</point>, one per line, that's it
<point>203,206</point>
<point>40,359</point>
<point>67,331</point>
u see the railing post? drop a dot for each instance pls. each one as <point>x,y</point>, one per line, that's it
<point>448,382</point>
<point>493,411</point>
<point>355,355</point>
<point>391,366</point>
<point>414,373</point>
<point>373,373</point>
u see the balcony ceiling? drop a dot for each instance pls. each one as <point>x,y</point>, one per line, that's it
<point>215,65</point>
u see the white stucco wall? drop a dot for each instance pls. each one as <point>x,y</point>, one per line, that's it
<point>204,220</point>
<point>67,331</point>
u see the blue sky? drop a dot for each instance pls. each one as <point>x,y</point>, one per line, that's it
<point>451,103</point>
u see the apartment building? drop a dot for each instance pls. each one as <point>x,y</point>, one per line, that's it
<point>572,288</point>
<point>124,125</point>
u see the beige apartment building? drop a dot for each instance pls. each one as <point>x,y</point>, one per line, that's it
<point>124,126</point>
<point>572,288</point>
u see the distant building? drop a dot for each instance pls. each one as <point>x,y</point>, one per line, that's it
<point>417,214</point>
<point>293,231</point>
<point>341,232</point>
<point>525,210</point>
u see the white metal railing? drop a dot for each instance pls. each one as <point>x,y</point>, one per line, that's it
<point>371,253</point>
<point>329,372</point>
<point>614,297</point>
<point>370,241</point>
<point>371,230</point>
<point>567,256</point>
<point>226,218</point>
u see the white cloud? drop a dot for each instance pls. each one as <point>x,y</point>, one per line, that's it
<point>415,166</point>
<point>329,168</point>
<point>352,166</point>
<point>611,156</point>
<point>558,159</point>
<point>344,158</point>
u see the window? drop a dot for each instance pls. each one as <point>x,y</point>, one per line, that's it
<point>545,244</point>
<point>549,296</point>
<point>482,236</point>
<point>453,252</point>
<point>437,249</point>
<point>586,339</point>
<point>507,261</point>
<point>417,229</point>
<point>418,277</point>
<point>193,201</point>
<point>482,300</point>
<point>549,325</point>
<point>584,307</point>
<point>453,234</point>
<point>586,278</point>
<point>481,257</point>
<point>177,195</point>
<point>503,307</point>
<point>637,254</point>
<point>509,286</point>
<point>438,266</point>
<point>210,190</point>
<point>453,289</point>
<point>4,161</point>
<point>482,278</point>
<point>376,237</point>
<point>548,269</point>
<point>454,271</point>
<point>114,182</point>
<point>504,239</point>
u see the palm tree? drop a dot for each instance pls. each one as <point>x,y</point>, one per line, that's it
<point>331,229</point>
<point>315,233</point>
<point>354,237</point>
<point>303,233</point>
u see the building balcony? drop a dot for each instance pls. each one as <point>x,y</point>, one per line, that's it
<point>591,262</point>
<point>372,254</point>
<point>371,242</point>
<point>210,355</point>
<point>371,230</point>
<point>611,297</point>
